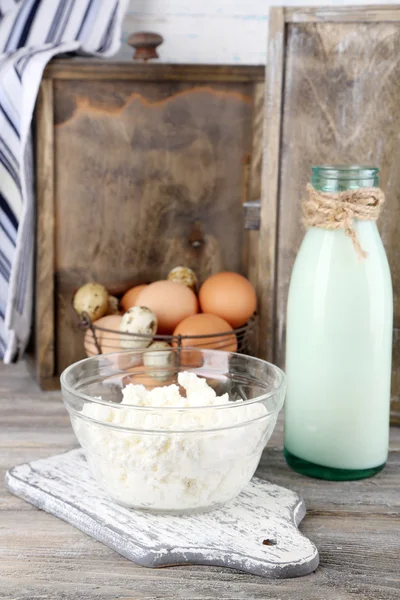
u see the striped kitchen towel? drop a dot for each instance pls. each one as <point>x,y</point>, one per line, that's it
<point>31,33</point>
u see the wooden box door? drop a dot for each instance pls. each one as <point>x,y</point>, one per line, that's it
<point>141,168</point>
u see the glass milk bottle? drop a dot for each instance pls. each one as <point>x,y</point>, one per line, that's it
<point>339,331</point>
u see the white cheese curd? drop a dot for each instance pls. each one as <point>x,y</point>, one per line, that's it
<point>176,464</point>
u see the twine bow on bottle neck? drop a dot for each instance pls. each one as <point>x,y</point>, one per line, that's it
<point>338,210</point>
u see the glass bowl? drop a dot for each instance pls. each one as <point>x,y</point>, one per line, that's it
<point>165,458</point>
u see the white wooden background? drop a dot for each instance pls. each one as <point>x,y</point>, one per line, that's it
<point>212,31</point>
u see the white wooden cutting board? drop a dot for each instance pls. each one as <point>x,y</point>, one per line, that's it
<point>257,532</point>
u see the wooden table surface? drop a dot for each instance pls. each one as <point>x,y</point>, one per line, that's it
<point>356,527</point>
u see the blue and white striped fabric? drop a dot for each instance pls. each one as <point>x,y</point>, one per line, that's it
<point>31,33</point>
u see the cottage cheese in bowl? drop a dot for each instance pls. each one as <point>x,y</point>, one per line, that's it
<point>189,446</point>
<point>186,453</point>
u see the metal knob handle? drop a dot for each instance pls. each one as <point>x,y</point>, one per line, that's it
<point>145,44</point>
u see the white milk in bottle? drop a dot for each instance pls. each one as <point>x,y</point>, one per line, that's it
<point>339,331</point>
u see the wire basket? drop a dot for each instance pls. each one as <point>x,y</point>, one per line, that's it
<point>104,340</point>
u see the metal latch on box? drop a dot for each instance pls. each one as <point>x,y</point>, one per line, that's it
<point>252,214</point>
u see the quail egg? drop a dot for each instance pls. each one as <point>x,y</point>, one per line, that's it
<point>137,320</point>
<point>184,275</point>
<point>91,298</point>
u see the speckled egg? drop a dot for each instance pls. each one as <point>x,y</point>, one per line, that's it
<point>183,275</point>
<point>137,320</point>
<point>113,306</point>
<point>91,298</point>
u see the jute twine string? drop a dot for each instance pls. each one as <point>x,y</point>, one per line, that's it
<point>338,210</point>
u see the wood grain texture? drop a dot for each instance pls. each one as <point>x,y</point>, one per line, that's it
<point>44,307</point>
<point>270,185</point>
<point>254,180</point>
<point>45,557</point>
<point>80,68</point>
<point>231,536</point>
<point>253,193</point>
<point>165,171</point>
<point>342,14</point>
<point>334,113</point>
<point>149,172</point>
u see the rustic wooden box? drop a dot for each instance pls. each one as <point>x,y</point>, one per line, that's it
<point>332,97</point>
<point>140,167</point>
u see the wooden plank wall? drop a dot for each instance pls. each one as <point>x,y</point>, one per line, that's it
<point>211,31</point>
<point>197,31</point>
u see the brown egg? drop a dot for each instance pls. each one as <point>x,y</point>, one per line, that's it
<point>108,341</point>
<point>171,303</point>
<point>191,358</point>
<point>129,298</point>
<point>205,325</point>
<point>139,376</point>
<point>230,296</point>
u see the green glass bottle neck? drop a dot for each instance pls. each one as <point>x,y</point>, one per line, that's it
<point>339,178</point>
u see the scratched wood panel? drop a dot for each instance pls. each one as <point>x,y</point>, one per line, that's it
<point>340,104</point>
<point>47,558</point>
<point>148,177</point>
<point>230,536</point>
